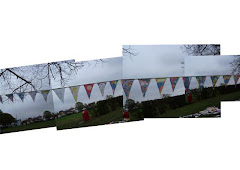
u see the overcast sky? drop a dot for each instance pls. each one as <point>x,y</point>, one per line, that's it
<point>156,61</point>
<point>110,70</point>
<point>207,66</point>
<point>153,61</point>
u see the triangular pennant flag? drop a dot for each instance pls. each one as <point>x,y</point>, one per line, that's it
<point>45,94</point>
<point>236,78</point>
<point>10,96</point>
<point>201,80</point>
<point>102,87</point>
<point>33,94</point>
<point>60,93</point>
<point>88,88</point>
<point>174,81</point>
<point>214,80</point>
<point>21,96</point>
<point>74,90</point>
<point>187,81</point>
<point>113,85</point>
<point>144,83</point>
<point>127,84</point>
<point>226,79</point>
<point>1,99</point>
<point>160,83</point>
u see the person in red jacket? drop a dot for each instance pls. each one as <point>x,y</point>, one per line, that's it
<point>189,98</point>
<point>85,115</point>
<point>189,95</point>
<point>125,115</point>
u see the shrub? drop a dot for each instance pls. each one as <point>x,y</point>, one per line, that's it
<point>47,115</point>
<point>95,112</point>
<point>79,106</point>
<point>130,105</point>
<point>102,107</point>
<point>6,119</point>
<point>148,109</point>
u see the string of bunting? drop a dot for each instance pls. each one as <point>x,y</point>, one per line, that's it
<point>61,91</point>
<point>144,83</point>
<point>126,85</point>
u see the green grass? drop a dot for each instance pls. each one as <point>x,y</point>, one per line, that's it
<point>39,125</point>
<point>199,106</point>
<point>76,120</point>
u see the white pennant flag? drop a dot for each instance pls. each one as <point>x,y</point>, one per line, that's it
<point>60,93</point>
<point>45,94</point>
<point>33,94</point>
<point>102,87</point>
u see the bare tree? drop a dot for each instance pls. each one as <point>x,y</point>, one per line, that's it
<point>203,49</point>
<point>235,64</point>
<point>128,51</point>
<point>39,77</point>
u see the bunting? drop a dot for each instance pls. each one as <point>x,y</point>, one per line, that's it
<point>236,78</point>
<point>10,96</point>
<point>60,93</point>
<point>144,83</point>
<point>174,81</point>
<point>113,85</point>
<point>33,94</point>
<point>160,83</point>
<point>102,87</point>
<point>45,94</point>
<point>21,96</point>
<point>74,90</point>
<point>201,81</point>
<point>127,84</point>
<point>187,81</point>
<point>226,79</point>
<point>214,80</point>
<point>88,88</point>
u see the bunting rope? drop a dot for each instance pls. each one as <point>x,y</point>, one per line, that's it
<point>126,85</point>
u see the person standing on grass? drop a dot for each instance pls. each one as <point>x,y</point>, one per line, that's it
<point>85,115</point>
<point>189,97</point>
<point>125,115</point>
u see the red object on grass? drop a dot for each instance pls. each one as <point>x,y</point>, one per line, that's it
<point>85,115</point>
<point>190,98</point>
<point>126,115</point>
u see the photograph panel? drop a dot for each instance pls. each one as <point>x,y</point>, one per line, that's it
<point>93,96</point>
<point>211,80</point>
<point>156,76</point>
<point>26,100</point>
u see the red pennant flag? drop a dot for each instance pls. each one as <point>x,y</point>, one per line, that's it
<point>88,88</point>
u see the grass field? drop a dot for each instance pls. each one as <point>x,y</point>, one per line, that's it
<point>39,125</point>
<point>76,120</point>
<point>199,106</point>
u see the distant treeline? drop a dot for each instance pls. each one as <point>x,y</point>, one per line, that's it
<point>106,106</point>
<point>210,92</point>
<point>101,107</point>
